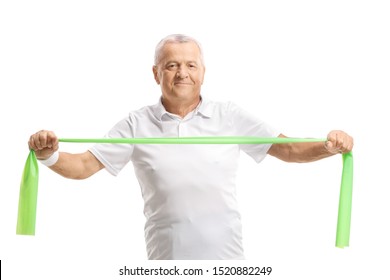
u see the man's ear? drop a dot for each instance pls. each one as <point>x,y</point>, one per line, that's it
<point>155,73</point>
<point>204,71</point>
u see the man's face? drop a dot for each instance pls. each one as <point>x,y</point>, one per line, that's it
<point>180,71</point>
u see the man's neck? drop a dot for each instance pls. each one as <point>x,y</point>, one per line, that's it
<point>180,107</point>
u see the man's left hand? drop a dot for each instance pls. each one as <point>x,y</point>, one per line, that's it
<point>339,142</point>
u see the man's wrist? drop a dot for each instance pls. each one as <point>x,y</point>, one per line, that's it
<point>50,160</point>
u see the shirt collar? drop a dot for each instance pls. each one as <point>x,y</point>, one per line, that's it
<point>204,109</point>
<point>159,110</point>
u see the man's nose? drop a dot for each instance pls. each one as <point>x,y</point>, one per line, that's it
<point>182,73</point>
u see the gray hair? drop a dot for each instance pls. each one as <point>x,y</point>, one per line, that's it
<point>175,38</point>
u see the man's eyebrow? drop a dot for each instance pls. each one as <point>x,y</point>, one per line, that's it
<point>170,62</point>
<point>175,61</point>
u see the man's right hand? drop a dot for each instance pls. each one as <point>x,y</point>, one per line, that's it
<point>44,143</point>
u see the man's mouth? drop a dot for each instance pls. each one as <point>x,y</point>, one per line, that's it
<point>182,83</point>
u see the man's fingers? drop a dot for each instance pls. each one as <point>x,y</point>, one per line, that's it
<point>339,142</point>
<point>51,140</point>
<point>43,140</point>
<point>31,143</point>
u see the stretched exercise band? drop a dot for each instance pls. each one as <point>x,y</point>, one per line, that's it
<point>28,196</point>
<point>29,184</point>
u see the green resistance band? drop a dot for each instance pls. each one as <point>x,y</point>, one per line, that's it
<point>29,184</point>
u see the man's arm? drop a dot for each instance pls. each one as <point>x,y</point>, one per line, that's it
<point>73,166</point>
<point>337,142</point>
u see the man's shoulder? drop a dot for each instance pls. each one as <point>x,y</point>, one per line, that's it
<point>145,111</point>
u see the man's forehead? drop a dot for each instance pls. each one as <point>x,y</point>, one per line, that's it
<point>187,49</point>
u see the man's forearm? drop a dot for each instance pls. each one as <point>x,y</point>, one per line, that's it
<point>337,142</point>
<point>308,152</point>
<point>76,166</point>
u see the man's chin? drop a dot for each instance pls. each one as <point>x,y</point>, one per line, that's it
<point>185,95</point>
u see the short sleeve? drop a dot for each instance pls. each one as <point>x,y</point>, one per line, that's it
<point>246,124</point>
<point>115,156</point>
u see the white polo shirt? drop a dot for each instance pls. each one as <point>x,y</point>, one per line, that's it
<point>189,190</point>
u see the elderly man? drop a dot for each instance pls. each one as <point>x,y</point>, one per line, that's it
<point>188,190</point>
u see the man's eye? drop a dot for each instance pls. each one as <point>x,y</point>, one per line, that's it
<point>171,66</point>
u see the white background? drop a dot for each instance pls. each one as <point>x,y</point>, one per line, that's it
<point>306,67</point>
